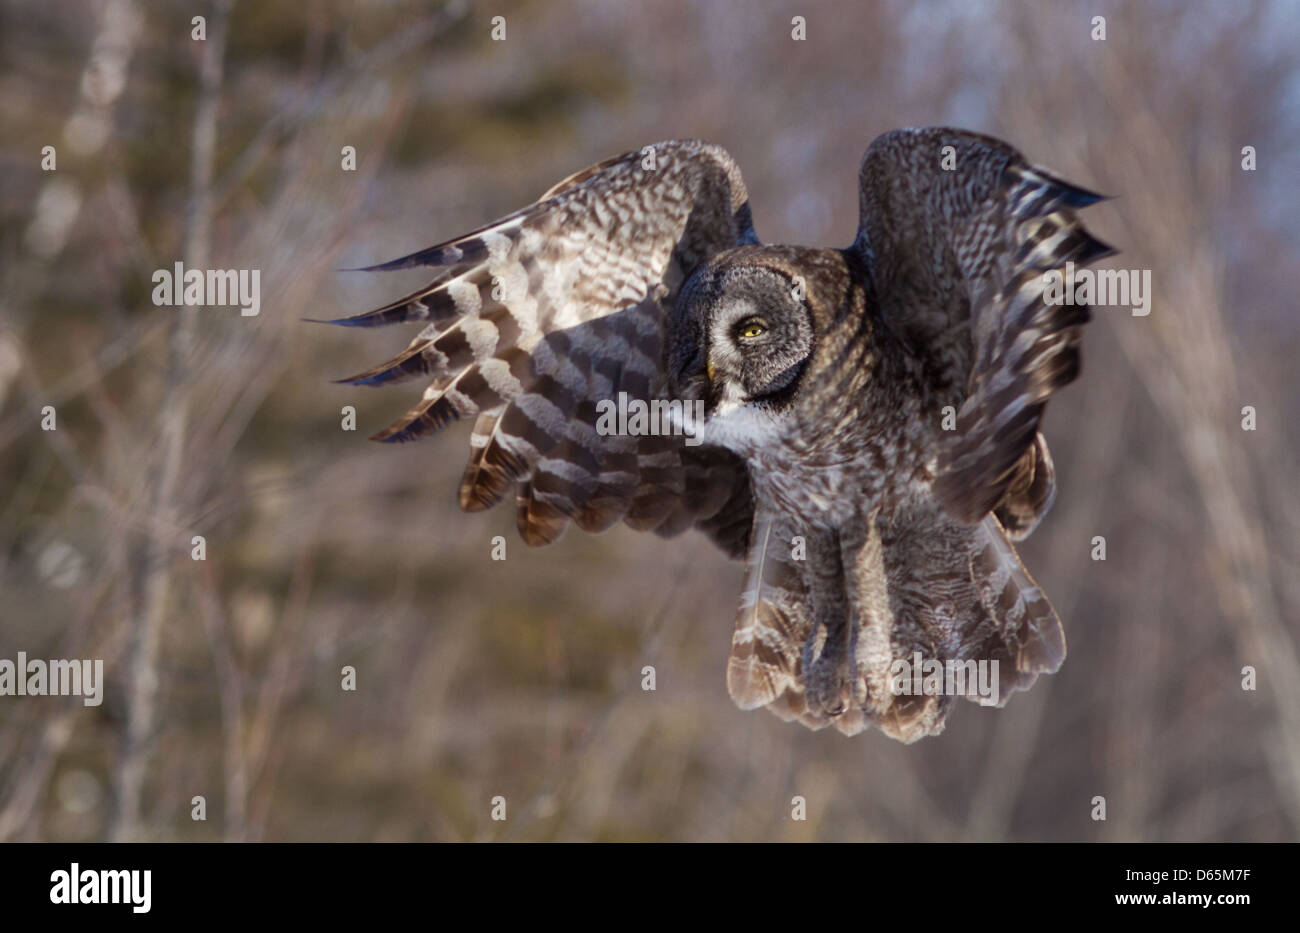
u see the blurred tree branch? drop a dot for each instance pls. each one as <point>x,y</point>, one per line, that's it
<point>156,552</point>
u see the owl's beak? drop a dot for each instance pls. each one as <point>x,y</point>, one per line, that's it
<point>708,371</point>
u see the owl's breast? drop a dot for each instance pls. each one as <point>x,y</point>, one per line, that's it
<point>815,490</point>
<point>857,465</point>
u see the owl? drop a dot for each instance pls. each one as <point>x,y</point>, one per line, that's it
<point>868,421</point>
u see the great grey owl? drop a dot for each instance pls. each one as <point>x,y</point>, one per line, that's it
<point>871,436</point>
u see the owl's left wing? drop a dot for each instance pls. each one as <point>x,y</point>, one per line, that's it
<point>961,235</point>
<point>535,319</point>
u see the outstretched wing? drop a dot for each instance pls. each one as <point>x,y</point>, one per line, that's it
<point>536,318</point>
<point>960,234</point>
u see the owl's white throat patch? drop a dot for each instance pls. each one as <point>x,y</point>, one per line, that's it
<point>742,426</point>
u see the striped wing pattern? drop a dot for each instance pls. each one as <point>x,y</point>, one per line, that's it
<point>959,232</point>
<point>537,317</point>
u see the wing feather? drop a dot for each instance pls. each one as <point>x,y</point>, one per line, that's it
<point>534,319</point>
<point>961,236</point>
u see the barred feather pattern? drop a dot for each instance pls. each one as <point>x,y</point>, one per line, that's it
<point>925,584</point>
<point>960,253</point>
<point>533,320</point>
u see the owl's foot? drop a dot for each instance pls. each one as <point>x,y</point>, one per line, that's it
<point>828,681</point>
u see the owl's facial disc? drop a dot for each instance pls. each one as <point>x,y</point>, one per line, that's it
<point>759,339</point>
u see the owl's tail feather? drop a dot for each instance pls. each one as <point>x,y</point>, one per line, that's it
<point>773,621</point>
<point>955,594</point>
<point>1027,638</point>
<point>922,583</point>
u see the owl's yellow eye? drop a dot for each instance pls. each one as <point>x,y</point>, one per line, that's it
<point>753,328</point>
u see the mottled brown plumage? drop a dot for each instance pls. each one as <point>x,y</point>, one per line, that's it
<point>828,376</point>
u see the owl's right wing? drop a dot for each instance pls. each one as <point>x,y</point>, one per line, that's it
<point>537,318</point>
<point>960,234</point>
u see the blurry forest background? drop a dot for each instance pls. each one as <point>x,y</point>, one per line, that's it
<point>522,678</point>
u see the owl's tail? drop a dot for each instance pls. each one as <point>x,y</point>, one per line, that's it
<point>924,587</point>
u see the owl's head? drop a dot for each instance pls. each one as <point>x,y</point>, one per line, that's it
<point>742,337</point>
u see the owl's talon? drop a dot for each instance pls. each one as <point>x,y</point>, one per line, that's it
<point>861,693</point>
<point>828,690</point>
